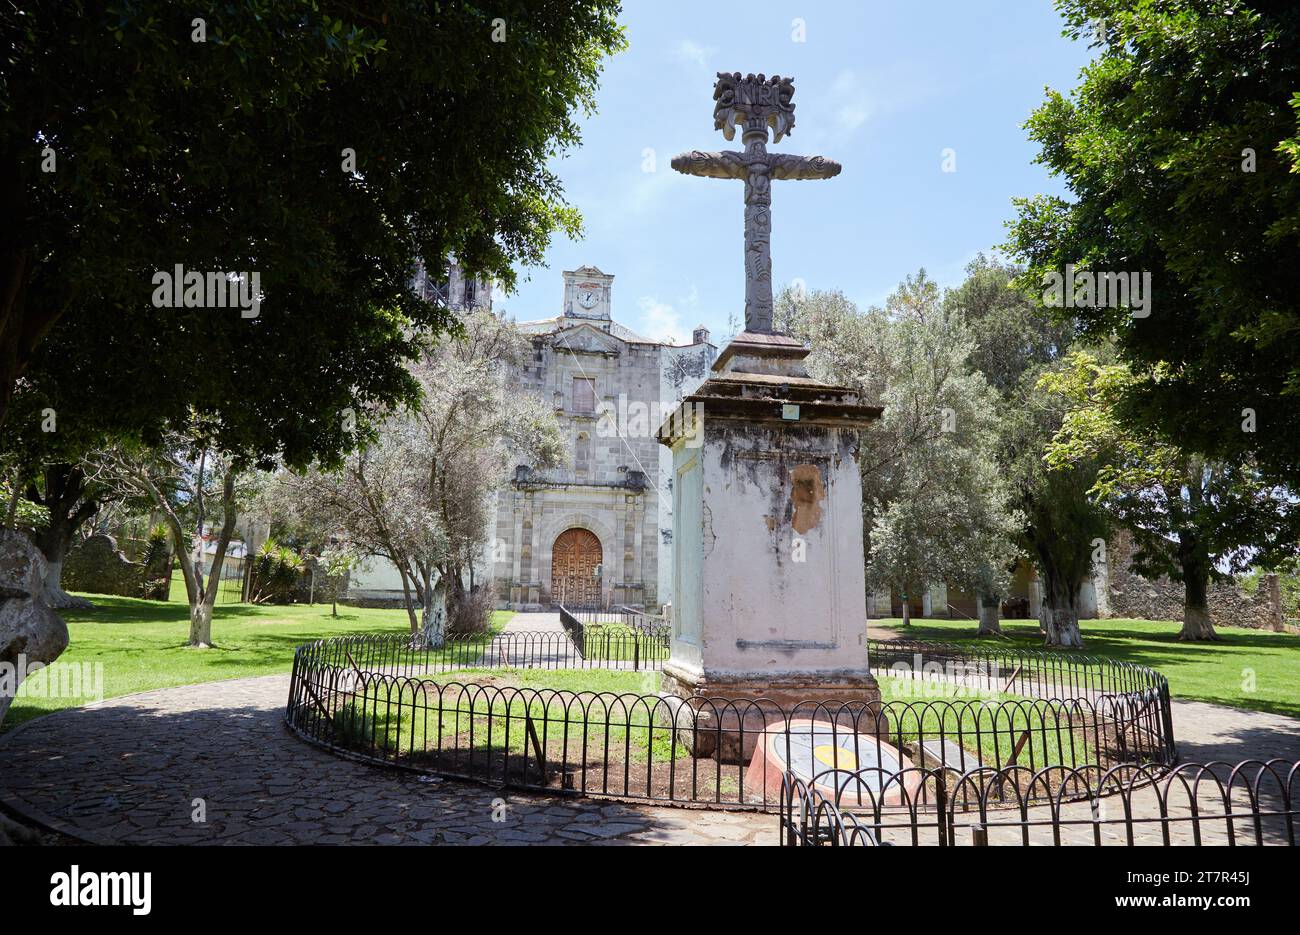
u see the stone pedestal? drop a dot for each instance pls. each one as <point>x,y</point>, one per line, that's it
<point>770,600</point>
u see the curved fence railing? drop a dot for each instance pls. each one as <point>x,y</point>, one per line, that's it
<point>383,700</point>
<point>1253,802</point>
<point>621,634</point>
<point>601,648</point>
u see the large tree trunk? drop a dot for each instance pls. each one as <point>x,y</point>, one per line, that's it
<point>63,493</point>
<point>433,623</point>
<point>1196,610</point>
<point>201,625</point>
<point>201,613</point>
<point>58,598</point>
<point>1059,614</point>
<point>990,610</point>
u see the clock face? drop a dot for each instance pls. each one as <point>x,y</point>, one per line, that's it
<point>588,298</point>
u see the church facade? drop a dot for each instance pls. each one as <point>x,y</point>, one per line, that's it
<point>598,530</point>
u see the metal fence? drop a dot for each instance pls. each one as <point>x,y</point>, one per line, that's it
<point>1253,802</point>
<point>378,698</point>
<point>615,635</point>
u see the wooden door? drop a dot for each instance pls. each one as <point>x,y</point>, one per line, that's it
<point>573,569</point>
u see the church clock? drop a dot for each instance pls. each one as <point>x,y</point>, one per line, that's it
<point>588,298</point>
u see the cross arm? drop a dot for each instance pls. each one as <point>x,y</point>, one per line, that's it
<point>803,167</point>
<point>723,165</point>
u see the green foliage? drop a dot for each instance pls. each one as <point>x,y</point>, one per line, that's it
<point>27,515</point>
<point>935,507</point>
<point>226,155</point>
<point>1190,518</point>
<point>277,571</point>
<point>1180,151</point>
<point>1012,335</point>
<point>1014,343</point>
<point>1288,580</point>
<point>156,539</point>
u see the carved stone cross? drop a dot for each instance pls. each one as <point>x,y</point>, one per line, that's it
<point>755,103</point>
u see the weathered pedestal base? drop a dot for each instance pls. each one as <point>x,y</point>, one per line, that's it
<point>725,717</point>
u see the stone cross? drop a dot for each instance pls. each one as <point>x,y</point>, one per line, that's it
<point>755,103</point>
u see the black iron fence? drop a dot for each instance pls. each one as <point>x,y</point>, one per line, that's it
<point>381,699</point>
<point>1254,802</point>
<point>619,635</point>
<point>1027,673</point>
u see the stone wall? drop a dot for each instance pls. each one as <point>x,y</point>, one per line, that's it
<point>97,566</point>
<point>1134,596</point>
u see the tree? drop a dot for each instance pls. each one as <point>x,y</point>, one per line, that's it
<point>181,479</point>
<point>419,495</point>
<point>1064,529</point>
<point>1182,158</point>
<point>337,561</point>
<point>1015,342</point>
<point>1193,520</point>
<point>317,153</point>
<point>320,146</point>
<point>935,507</point>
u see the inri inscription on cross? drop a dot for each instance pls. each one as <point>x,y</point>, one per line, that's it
<point>755,103</point>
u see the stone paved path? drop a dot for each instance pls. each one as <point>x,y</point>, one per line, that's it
<point>131,770</point>
<point>534,622</point>
<point>534,640</point>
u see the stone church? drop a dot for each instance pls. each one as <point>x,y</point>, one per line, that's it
<point>597,531</point>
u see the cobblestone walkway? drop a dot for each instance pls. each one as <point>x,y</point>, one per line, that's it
<point>141,769</point>
<point>131,769</point>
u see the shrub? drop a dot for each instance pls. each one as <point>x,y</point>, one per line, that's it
<point>276,571</point>
<point>470,613</point>
<point>157,561</point>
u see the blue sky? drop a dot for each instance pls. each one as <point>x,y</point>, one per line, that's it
<point>882,87</point>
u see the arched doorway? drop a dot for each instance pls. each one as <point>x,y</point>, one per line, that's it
<point>574,559</point>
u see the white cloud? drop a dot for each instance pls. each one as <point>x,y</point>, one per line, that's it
<point>660,321</point>
<point>855,103</point>
<point>687,50</point>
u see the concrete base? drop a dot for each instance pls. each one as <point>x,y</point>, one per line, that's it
<point>724,716</point>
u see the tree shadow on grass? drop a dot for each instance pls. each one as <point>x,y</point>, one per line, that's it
<point>111,609</point>
<point>1154,644</point>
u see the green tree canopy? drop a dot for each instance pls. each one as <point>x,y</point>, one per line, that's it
<point>934,504</point>
<point>233,154</point>
<point>1191,519</point>
<point>1014,343</point>
<point>1180,150</point>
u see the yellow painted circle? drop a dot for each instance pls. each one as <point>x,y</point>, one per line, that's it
<point>835,757</point>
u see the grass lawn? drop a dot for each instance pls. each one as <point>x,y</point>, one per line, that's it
<point>1253,669</point>
<point>614,642</point>
<point>141,644</point>
<point>475,722</point>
